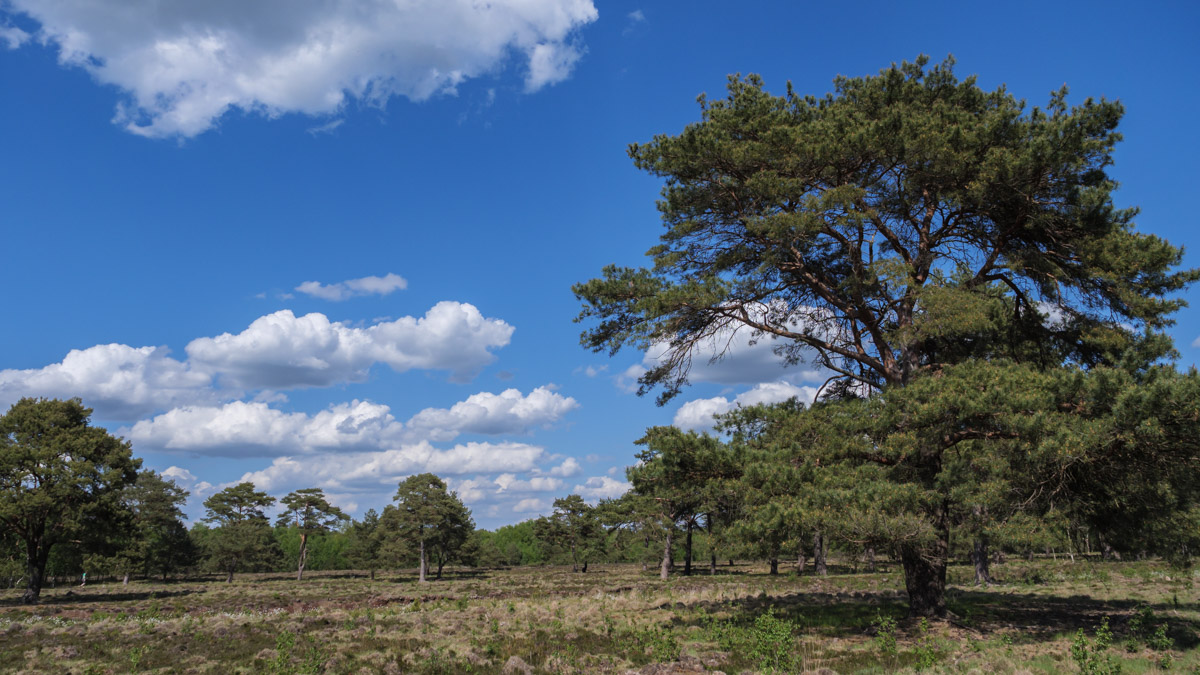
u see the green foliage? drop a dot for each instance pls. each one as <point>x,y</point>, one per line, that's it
<point>573,529</point>
<point>242,539</point>
<point>773,644</point>
<point>428,520</point>
<point>885,634</point>
<point>1091,656</point>
<point>992,321</point>
<point>60,480</point>
<point>308,512</point>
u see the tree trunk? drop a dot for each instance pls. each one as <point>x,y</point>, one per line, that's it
<point>819,566</point>
<point>712,566</point>
<point>585,563</point>
<point>421,565</point>
<point>35,570</point>
<point>687,555</point>
<point>372,574</point>
<point>229,579</point>
<point>303,555</point>
<point>774,566</point>
<point>125,581</point>
<point>441,564</point>
<point>870,556</point>
<point>574,560</point>
<point>979,556</point>
<point>799,560</point>
<point>925,571</point>
<point>666,561</point>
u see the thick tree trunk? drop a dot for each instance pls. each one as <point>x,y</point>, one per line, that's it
<point>574,560</point>
<point>687,552</point>
<point>666,561</point>
<point>925,572</point>
<point>774,566</point>
<point>869,554</point>
<point>800,560</point>
<point>819,566</point>
<point>229,578</point>
<point>125,581</point>
<point>303,556</point>
<point>441,564</point>
<point>585,564</point>
<point>979,556</point>
<point>421,565</point>
<point>35,571</point>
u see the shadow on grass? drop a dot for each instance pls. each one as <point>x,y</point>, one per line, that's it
<point>72,598</point>
<point>1028,617</point>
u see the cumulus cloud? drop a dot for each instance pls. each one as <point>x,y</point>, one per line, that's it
<point>351,288</point>
<point>281,350</point>
<point>188,481</point>
<point>120,382</point>
<point>241,429</point>
<point>368,471</point>
<point>183,65</point>
<point>486,413</point>
<point>507,482</point>
<point>736,357</point>
<point>698,414</point>
<point>568,468</point>
<point>531,505</point>
<point>627,381</point>
<point>601,487</point>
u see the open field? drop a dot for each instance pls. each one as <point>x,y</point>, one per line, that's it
<point>611,619</point>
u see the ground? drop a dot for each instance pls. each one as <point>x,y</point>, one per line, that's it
<point>614,619</point>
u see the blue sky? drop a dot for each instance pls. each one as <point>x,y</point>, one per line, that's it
<point>332,244</point>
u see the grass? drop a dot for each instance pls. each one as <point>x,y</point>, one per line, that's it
<point>1043,618</point>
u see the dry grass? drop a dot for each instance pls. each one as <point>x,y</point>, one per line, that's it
<point>612,619</point>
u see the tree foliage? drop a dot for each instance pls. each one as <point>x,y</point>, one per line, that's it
<point>952,258</point>
<point>242,539</point>
<point>308,511</point>
<point>60,480</point>
<point>430,518</point>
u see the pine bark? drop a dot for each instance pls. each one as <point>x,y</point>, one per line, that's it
<point>819,566</point>
<point>303,556</point>
<point>421,566</point>
<point>979,556</point>
<point>687,552</point>
<point>666,560</point>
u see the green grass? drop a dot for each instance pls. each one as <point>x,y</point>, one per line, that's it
<point>612,619</point>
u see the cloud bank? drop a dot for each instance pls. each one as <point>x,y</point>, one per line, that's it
<point>182,64</point>
<point>352,288</point>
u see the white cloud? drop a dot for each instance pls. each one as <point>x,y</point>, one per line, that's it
<point>550,63</point>
<point>281,350</point>
<point>241,429</point>
<point>184,64</point>
<point>742,360</point>
<point>351,288</point>
<point>590,371</point>
<point>507,482</point>
<point>118,381</point>
<point>486,413</point>
<point>367,471</point>
<point>601,487</point>
<point>568,468</point>
<point>627,381</point>
<point>698,414</point>
<point>1196,342</point>
<point>531,505</point>
<point>12,36</point>
<point>188,481</point>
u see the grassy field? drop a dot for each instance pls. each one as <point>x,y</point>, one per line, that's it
<point>614,619</point>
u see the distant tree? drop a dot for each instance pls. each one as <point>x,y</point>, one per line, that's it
<point>242,538</point>
<point>427,516</point>
<point>308,511</point>
<point>60,480</point>
<point>158,541</point>
<point>573,527</point>
<point>887,232</point>
<point>363,549</point>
